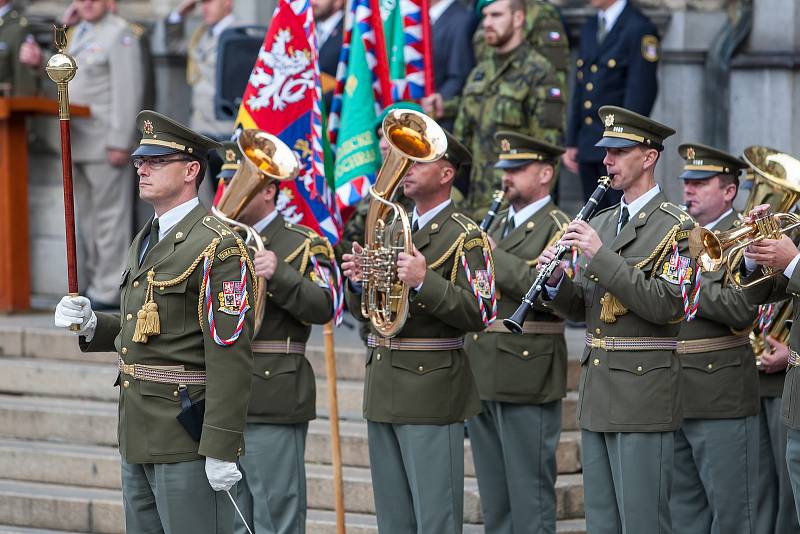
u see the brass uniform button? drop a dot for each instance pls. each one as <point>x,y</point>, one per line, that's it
<point>378,357</point>
<point>135,283</point>
<point>587,104</point>
<point>126,384</point>
<point>588,120</point>
<point>420,368</point>
<point>639,368</point>
<point>710,365</point>
<point>612,63</point>
<point>596,362</point>
<point>434,226</point>
<point>593,68</point>
<point>129,317</point>
<point>124,350</point>
<point>475,337</point>
<point>266,373</point>
<point>597,331</point>
<point>175,393</point>
<point>589,86</point>
<point>179,235</point>
<point>580,75</point>
<point>239,451</point>
<point>579,63</point>
<point>525,353</point>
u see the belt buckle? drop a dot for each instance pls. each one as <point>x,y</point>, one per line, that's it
<point>382,341</point>
<point>129,369</point>
<point>597,343</point>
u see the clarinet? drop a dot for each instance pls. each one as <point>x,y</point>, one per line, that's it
<point>514,323</point>
<point>493,209</point>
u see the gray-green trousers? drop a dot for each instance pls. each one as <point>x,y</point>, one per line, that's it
<point>776,513</point>
<point>715,482</point>
<point>793,463</point>
<point>627,478</point>
<point>417,477</point>
<point>272,492</point>
<point>173,499</point>
<point>514,450</point>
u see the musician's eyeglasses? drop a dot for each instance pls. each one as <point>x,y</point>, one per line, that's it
<point>155,164</point>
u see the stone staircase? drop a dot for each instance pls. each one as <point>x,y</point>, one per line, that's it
<point>59,466</point>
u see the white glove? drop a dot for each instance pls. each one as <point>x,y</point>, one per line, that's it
<point>221,475</point>
<point>76,310</point>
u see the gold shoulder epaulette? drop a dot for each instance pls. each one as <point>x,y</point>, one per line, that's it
<point>465,222</point>
<point>686,221</point>
<point>560,218</point>
<point>320,246</point>
<point>219,227</point>
<point>305,231</point>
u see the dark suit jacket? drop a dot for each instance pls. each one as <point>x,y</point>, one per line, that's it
<point>621,71</point>
<point>329,52</point>
<point>453,56</point>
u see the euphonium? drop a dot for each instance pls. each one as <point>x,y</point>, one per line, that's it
<point>413,137</point>
<point>264,158</point>
<point>776,181</point>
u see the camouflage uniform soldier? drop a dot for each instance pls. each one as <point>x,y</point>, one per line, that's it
<point>184,379</point>
<point>13,32</point>
<point>517,89</point>
<point>544,30</point>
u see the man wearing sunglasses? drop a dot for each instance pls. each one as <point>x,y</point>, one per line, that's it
<point>182,336</point>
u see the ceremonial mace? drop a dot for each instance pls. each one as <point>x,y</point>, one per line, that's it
<point>61,68</point>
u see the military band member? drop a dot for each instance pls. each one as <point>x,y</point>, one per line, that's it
<point>183,340</point>
<point>628,290</point>
<point>780,255</point>
<point>521,379</point>
<point>419,387</point>
<point>775,511</point>
<point>296,264</point>
<point>719,379</point>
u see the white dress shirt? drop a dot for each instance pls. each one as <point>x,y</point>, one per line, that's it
<point>612,14</point>
<point>424,219</point>
<point>527,212</point>
<point>263,223</point>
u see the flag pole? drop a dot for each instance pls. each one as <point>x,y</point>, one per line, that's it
<point>61,68</point>
<point>333,415</point>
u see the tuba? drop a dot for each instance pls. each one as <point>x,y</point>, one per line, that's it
<point>264,158</point>
<point>412,137</point>
<point>775,180</point>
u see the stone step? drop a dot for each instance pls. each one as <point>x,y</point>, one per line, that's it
<point>83,422</point>
<point>77,508</point>
<point>55,344</point>
<point>95,381</point>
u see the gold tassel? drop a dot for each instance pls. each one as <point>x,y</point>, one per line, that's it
<point>611,308</point>
<point>148,323</point>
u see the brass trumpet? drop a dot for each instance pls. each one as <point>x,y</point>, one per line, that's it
<point>264,158</point>
<point>775,180</point>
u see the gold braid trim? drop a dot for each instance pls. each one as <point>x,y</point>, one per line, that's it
<point>456,244</point>
<point>459,251</point>
<point>148,323</point>
<point>611,305</point>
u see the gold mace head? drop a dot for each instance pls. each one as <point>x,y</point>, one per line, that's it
<point>61,67</point>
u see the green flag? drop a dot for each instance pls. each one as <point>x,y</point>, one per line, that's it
<point>395,40</point>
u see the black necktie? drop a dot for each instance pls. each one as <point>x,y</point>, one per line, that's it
<point>152,241</point>
<point>623,219</point>
<point>509,226</point>
<point>415,226</point>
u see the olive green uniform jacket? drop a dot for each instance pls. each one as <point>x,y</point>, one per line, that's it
<point>13,32</point>
<point>283,388</point>
<point>430,387</point>
<point>520,92</point>
<point>528,368</point>
<point>636,391</point>
<point>148,431</point>
<point>724,383</point>
<point>774,290</point>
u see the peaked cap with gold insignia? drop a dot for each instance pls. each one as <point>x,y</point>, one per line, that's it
<point>231,159</point>
<point>704,162</point>
<point>162,136</point>
<point>517,150</point>
<point>624,128</point>
<point>456,153</point>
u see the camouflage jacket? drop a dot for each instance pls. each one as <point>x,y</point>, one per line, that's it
<point>519,92</point>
